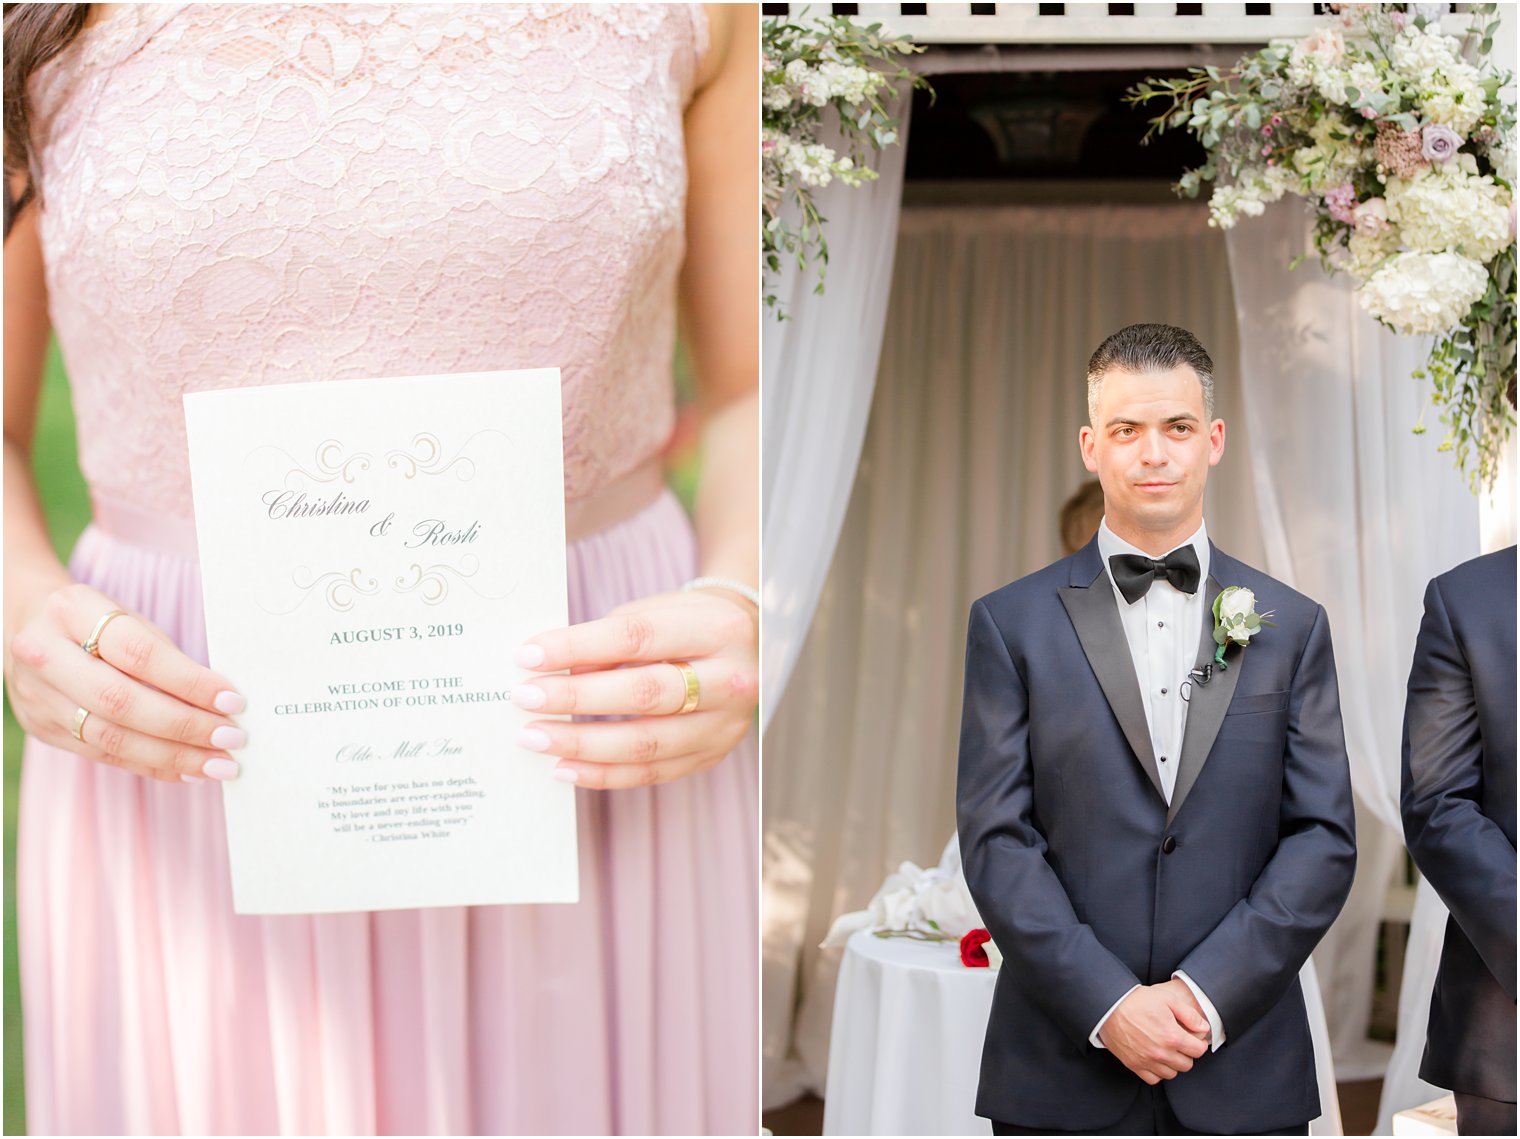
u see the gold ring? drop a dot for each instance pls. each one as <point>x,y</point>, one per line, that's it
<point>693,687</point>
<point>91,644</point>
<point>77,727</point>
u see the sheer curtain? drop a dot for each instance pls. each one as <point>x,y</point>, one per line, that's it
<point>819,373</point>
<point>970,451</point>
<point>1359,513</point>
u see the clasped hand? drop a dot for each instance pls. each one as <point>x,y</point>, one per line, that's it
<point>1157,1031</point>
<point>619,665</point>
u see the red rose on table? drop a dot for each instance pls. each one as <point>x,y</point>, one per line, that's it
<point>973,956</point>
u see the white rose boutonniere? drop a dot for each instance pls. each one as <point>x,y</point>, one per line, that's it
<point>1236,619</point>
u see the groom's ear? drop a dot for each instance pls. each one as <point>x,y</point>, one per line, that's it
<point>1087,440</point>
<point>1216,442</point>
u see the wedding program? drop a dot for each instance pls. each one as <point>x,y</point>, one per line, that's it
<point>373,552</point>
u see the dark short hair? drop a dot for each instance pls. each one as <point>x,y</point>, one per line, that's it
<point>1149,348</point>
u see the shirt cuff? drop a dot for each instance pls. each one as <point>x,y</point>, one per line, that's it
<point>1093,1038</point>
<point>1216,1026</point>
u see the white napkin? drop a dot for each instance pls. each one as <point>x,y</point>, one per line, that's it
<point>913,898</point>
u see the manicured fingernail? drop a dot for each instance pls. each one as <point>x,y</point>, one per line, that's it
<point>192,779</point>
<point>533,739</point>
<point>564,775</point>
<point>222,769</point>
<point>229,703</point>
<point>528,696</point>
<point>530,656</point>
<point>229,738</point>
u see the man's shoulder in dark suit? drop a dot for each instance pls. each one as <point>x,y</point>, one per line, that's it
<point>1477,582</point>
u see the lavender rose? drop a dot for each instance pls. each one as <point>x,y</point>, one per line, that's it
<point>1438,142</point>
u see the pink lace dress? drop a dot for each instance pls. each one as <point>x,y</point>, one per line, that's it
<point>258,194</point>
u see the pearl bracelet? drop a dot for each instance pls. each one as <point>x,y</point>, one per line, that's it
<point>728,583</point>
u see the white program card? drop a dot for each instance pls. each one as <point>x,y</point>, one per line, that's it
<point>373,552</point>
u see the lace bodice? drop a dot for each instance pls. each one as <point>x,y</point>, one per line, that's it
<point>260,194</point>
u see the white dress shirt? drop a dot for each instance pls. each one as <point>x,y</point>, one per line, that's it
<point>1163,629</point>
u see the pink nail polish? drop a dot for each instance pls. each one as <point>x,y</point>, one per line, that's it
<point>229,738</point>
<point>528,696</point>
<point>220,769</point>
<point>186,778</point>
<point>533,739</point>
<point>564,775</point>
<point>229,703</point>
<point>530,656</point>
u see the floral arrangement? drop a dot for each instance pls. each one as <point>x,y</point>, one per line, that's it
<point>809,65</point>
<point>924,904</point>
<point>1396,135</point>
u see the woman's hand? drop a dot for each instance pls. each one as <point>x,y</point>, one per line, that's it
<point>152,710</point>
<point>620,667</point>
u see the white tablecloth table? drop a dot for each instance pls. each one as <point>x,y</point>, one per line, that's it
<point>906,1045</point>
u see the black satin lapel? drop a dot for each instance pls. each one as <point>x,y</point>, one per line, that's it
<point>1095,615</point>
<point>1207,704</point>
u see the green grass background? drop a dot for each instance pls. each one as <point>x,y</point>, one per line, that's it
<point>66,503</point>
<point>68,510</point>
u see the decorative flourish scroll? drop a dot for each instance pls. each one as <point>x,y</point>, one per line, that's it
<point>339,589</point>
<point>432,583</point>
<point>331,460</point>
<point>427,457</point>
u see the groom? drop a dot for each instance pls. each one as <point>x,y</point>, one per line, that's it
<point>1156,831</point>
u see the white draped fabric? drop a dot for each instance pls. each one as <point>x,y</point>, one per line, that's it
<point>1359,513</point>
<point>971,449</point>
<point>819,373</point>
<point>1402,1086</point>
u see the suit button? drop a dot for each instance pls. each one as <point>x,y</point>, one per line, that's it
<point>1169,845</point>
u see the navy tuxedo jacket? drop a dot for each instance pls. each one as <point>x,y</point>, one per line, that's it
<point>1459,817</point>
<point>1089,884</point>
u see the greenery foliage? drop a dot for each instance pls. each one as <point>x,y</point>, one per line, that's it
<point>810,66</point>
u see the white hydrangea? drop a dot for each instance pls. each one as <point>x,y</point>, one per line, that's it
<point>1229,203</point>
<point>1445,84</point>
<point>799,77</point>
<point>1336,83</point>
<point>815,86</point>
<point>1421,293</point>
<point>1451,208</point>
<point>1455,100</point>
<point>777,97</point>
<point>810,163</point>
<point>1366,251</point>
<point>1331,83</point>
<point>847,82</point>
<point>1418,50</point>
<point>1366,78</point>
<point>1250,194</point>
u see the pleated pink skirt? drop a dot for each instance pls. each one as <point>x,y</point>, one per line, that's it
<point>150,1008</point>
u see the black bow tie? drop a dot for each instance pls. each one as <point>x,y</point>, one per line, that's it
<point>1133,573</point>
